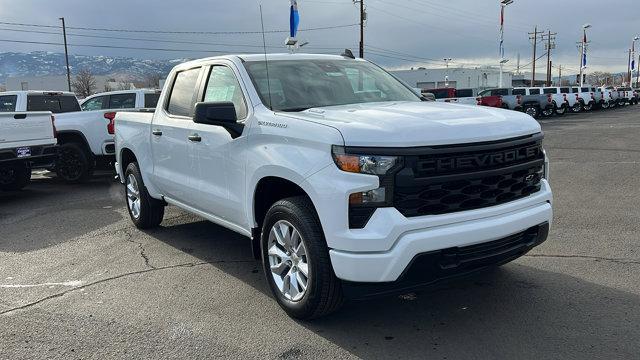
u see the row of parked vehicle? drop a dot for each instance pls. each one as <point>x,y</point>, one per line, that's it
<point>55,131</point>
<point>543,101</point>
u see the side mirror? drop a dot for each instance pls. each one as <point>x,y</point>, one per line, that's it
<point>221,113</point>
<point>215,113</point>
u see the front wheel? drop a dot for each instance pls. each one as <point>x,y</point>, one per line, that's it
<point>561,110</point>
<point>296,260</point>
<point>74,164</point>
<point>15,177</point>
<point>549,111</point>
<point>145,211</point>
<point>605,105</point>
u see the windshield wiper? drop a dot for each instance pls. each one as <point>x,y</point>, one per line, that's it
<point>298,109</point>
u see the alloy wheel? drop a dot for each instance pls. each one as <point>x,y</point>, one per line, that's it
<point>288,260</point>
<point>69,164</point>
<point>133,196</point>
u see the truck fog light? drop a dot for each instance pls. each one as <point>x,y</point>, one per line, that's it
<point>368,197</point>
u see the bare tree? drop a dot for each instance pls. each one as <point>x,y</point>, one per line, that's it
<point>84,83</point>
<point>599,78</point>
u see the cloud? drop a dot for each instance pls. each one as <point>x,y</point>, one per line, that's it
<point>399,33</point>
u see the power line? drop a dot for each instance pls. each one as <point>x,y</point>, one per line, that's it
<point>177,32</point>
<point>158,40</point>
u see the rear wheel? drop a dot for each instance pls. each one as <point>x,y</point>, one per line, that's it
<point>15,177</point>
<point>296,260</point>
<point>561,110</point>
<point>532,111</point>
<point>605,105</point>
<point>74,164</point>
<point>588,107</point>
<point>145,211</point>
<point>549,111</point>
<point>577,107</point>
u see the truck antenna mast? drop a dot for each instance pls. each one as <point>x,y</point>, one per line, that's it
<point>266,62</point>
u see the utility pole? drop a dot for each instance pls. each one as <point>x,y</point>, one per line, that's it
<point>550,45</point>
<point>518,65</point>
<point>66,53</point>
<point>534,36</point>
<point>559,75</point>
<point>638,71</point>
<point>363,18</point>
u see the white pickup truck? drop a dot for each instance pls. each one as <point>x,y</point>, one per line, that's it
<point>27,139</point>
<point>85,137</point>
<point>347,184</point>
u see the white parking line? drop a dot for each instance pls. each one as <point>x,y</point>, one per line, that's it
<point>67,283</point>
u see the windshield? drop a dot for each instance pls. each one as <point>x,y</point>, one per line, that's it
<point>298,85</point>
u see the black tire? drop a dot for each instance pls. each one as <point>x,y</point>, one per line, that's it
<point>74,164</point>
<point>549,111</point>
<point>562,110</point>
<point>577,107</point>
<point>323,294</point>
<point>532,110</point>
<point>15,177</point>
<point>588,107</point>
<point>606,105</point>
<point>151,211</point>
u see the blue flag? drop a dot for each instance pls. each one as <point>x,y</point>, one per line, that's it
<point>294,19</point>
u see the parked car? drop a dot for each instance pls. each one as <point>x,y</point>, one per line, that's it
<point>460,96</point>
<point>562,99</point>
<point>559,100</point>
<point>610,97</point>
<point>587,98</point>
<point>492,98</point>
<point>85,137</point>
<point>346,189</point>
<point>27,140</point>
<point>535,105</point>
<point>627,96</point>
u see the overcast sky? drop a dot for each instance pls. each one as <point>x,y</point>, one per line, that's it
<point>398,32</point>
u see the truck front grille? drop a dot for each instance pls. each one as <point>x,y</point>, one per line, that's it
<point>457,178</point>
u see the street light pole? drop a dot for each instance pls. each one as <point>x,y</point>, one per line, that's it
<point>502,62</point>
<point>66,53</point>
<point>446,76</point>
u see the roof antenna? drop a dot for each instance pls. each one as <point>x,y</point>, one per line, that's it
<point>266,62</point>
<point>348,53</point>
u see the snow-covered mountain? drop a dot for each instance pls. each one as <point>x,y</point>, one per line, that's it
<point>40,63</point>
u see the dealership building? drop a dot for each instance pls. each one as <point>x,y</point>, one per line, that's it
<point>462,78</point>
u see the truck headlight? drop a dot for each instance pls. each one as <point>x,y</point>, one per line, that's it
<point>362,164</point>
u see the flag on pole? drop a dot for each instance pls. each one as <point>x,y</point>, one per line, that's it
<point>633,56</point>
<point>584,51</point>
<point>502,32</point>
<point>294,19</point>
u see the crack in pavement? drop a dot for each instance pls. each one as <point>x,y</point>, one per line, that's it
<point>586,257</point>
<point>116,277</point>
<point>143,253</point>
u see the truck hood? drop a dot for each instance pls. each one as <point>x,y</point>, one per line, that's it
<point>408,124</point>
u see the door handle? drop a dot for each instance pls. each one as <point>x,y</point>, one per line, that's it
<point>157,132</point>
<point>195,138</point>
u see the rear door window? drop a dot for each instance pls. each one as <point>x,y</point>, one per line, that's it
<point>584,89</point>
<point>151,100</point>
<point>565,90</point>
<point>182,99</point>
<point>464,93</point>
<point>519,92</point>
<point>550,91</point>
<point>500,92</point>
<point>57,104</point>
<point>122,101</point>
<point>8,103</point>
<point>534,91</point>
<point>97,103</point>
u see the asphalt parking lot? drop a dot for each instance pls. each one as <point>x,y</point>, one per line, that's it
<point>77,280</point>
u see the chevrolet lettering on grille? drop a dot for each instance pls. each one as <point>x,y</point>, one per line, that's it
<point>478,161</point>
